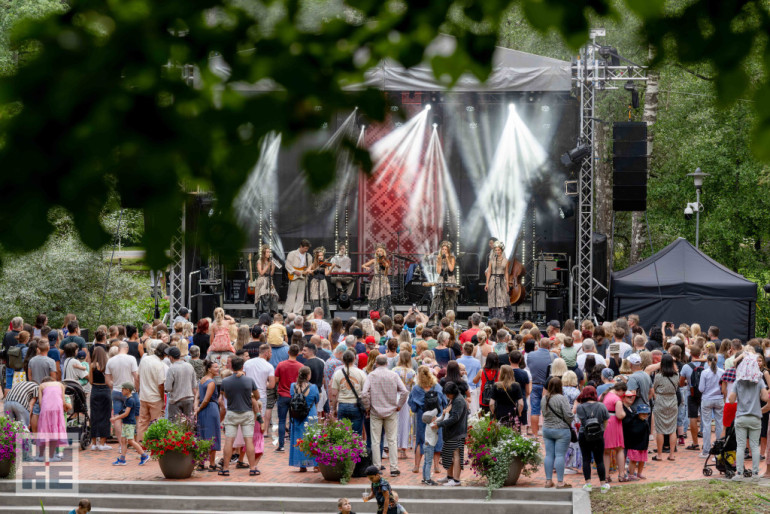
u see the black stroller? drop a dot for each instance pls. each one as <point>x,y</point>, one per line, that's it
<point>722,454</point>
<point>78,422</point>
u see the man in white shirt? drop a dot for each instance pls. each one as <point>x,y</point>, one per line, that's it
<point>322,328</point>
<point>589,348</point>
<point>120,369</point>
<point>152,378</point>
<point>342,265</point>
<point>263,374</point>
<point>298,265</point>
<point>625,348</point>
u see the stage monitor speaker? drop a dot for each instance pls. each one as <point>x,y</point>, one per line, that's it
<point>344,301</point>
<point>203,305</point>
<point>236,286</point>
<point>554,308</point>
<point>629,163</point>
<point>344,315</point>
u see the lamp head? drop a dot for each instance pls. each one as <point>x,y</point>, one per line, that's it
<point>697,177</point>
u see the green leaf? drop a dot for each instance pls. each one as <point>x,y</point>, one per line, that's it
<point>646,8</point>
<point>319,167</point>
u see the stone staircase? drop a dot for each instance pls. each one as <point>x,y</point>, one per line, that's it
<point>171,497</point>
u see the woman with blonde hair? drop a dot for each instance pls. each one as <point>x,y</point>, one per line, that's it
<point>404,337</point>
<point>406,374</point>
<point>625,367</point>
<point>695,330</point>
<point>220,330</point>
<point>483,348</point>
<point>368,327</point>
<point>426,388</point>
<point>243,337</point>
<point>507,401</point>
<point>187,332</point>
<point>559,368</point>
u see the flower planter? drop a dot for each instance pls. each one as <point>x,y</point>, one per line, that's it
<point>332,473</point>
<point>514,471</point>
<point>6,467</point>
<point>176,465</point>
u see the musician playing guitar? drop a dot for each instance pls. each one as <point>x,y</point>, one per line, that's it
<point>379,291</point>
<point>265,294</point>
<point>444,298</point>
<point>298,267</point>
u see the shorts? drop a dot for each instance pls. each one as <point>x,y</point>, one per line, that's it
<point>693,407</point>
<point>272,397</point>
<point>36,408</point>
<point>534,399</point>
<point>128,431</point>
<point>118,402</point>
<point>233,420</point>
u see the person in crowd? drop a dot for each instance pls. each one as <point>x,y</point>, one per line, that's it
<point>41,365</point>
<point>589,348</point>
<point>195,361</point>
<point>84,507</point>
<point>636,434</point>
<point>407,375</point>
<point>690,378</point>
<point>426,396</point>
<point>712,401</point>
<point>455,429</point>
<point>381,491</point>
<point>71,367</point>
<point>666,408</point>
<point>202,339</point>
<point>607,382</point>
<point>286,373</point>
<point>749,391</point>
<point>475,321</point>
<point>304,387</point>
<point>472,368</point>
<point>316,365</point>
<point>507,402</point>
<point>242,397</point>
<point>52,427</point>
<point>345,392</point>
<point>263,374</point>
<point>120,369</point>
<point>384,394</point>
<point>538,363</point>
<point>135,349</point>
<point>100,403</point>
<point>220,330</point>
<point>20,401</point>
<point>489,374</point>
<point>569,353</point>
<point>180,385</point>
<point>639,381</point>
<point>557,422</point>
<point>73,336</point>
<point>593,416</point>
<point>613,430</point>
<point>522,377</point>
<point>207,413</point>
<point>128,427</point>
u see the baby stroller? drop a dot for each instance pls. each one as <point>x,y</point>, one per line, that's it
<point>78,422</point>
<point>723,455</point>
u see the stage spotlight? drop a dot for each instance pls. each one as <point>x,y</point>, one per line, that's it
<point>566,211</point>
<point>344,302</point>
<point>610,54</point>
<point>629,86</point>
<point>362,121</point>
<point>435,125</point>
<point>470,108</point>
<point>576,155</point>
<point>474,125</point>
<point>531,98</point>
<point>394,108</point>
<point>512,106</point>
<point>427,107</point>
<point>545,108</point>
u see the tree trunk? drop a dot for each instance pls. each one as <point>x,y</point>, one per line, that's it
<point>603,186</point>
<point>650,116</point>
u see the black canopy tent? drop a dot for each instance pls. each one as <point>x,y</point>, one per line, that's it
<point>681,284</point>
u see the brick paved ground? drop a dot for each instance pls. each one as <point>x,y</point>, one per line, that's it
<point>97,465</point>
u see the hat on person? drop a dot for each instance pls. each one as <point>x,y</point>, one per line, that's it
<point>642,408</point>
<point>374,315</point>
<point>630,393</point>
<point>370,340</point>
<point>173,352</point>
<point>358,333</point>
<point>634,359</point>
<point>614,347</point>
<point>554,323</point>
<point>53,335</point>
<point>127,385</point>
<point>183,311</point>
<point>673,340</point>
<point>608,373</point>
<point>81,354</point>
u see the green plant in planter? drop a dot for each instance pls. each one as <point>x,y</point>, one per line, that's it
<point>8,432</point>
<point>492,447</point>
<point>175,436</point>
<point>332,442</point>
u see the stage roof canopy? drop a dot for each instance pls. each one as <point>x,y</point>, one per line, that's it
<point>681,284</point>
<point>512,71</point>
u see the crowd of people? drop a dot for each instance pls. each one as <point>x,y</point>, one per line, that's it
<point>595,396</point>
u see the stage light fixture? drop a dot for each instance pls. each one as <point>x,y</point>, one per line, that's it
<point>427,107</point>
<point>394,108</point>
<point>474,125</point>
<point>411,94</point>
<point>344,301</point>
<point>531,99</point>
<point>435,125</point>
<point>545,108</point>
<point>629,86</point>
<point>566,211</point>
<point>576,155</point>
<point>470,108</point>
<point>610,54</point>
<point>512,106</point>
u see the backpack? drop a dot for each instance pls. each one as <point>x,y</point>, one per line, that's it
<point>15,358</point>
<point>593,429</point>
<point>695,380</point>
<point>431,401</point>
<point>298,405</point>
<point>489,390</point>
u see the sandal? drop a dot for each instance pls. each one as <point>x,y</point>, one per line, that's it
<point>641,477</point>
<point>303,470</point>
<point>224,472</point>
<point>564,486</point>
<point>213,468</point>
<point>671,459</point>
<point>241,465</point>
<point>623,479</point>
<point>631,478</point>
<point>548,484</point>
<point>693,447</point>
<point>254,472</point>
<point>200,467</point>
<point>656,459</point>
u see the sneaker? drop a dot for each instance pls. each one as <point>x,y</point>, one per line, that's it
<point>681,441</point>
<point>569,471</point>
<point>452,483</point>
<point>738,477</point>
<point>143,460</point>
<point>279,449</point>
<point>588,488</point>
<point>429,482</point>
<point>234,458</point>
<point>703,455</point>
<point>104,447</point>
<point>443,480</point>
<point>121,461</point>
<point>40,458</point>
<point>605,488</point>
<point>94,447</point>
<point>56,458</point>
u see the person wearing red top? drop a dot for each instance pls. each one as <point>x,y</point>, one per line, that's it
<point>475,320</point>
<point>286,373</point>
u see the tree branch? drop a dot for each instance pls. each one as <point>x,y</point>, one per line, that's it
<point>703,77</point>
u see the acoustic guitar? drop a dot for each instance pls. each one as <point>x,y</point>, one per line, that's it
<point>292,276</point>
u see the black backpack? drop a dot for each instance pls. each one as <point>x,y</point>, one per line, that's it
<point>431,401</point>
<point>695,380</point>
<point>298,405</point>
<point>489,390</point>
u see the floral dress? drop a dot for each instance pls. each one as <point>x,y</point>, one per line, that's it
<point>573,458</point>
<point>379,292</point>
<point>405,415</point>
<point>265,295</point>
<point>497,293</point>
<point>319,292</point>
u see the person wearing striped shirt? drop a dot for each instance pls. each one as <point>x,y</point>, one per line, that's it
<point>20,401</point>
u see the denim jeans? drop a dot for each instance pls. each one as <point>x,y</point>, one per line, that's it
<point>428,464</point>
<point>711,408</point>
<point>350,411</point>
<point>747,426</point>
<point>283,411</point>
<point>534,399</point>
<point>681,416</point>
<point>556,443</point>
<point>17,412</point>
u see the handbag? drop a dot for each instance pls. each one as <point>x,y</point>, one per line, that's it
<point>573,437</point>
<point>678,392</point>
<point>359,403</point>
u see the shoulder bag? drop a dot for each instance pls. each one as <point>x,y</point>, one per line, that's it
<point>359,403</point>
<point>678,392</point>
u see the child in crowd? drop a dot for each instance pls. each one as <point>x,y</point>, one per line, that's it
<point>128,433</point>
<point>394,503</point>
<point>84,507</point>
<point>428,447</point>
<point>84,383</point>
<point>381,491</point>
<point>343,506</point>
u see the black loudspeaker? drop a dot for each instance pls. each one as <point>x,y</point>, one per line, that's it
<point>85,334</point>
<point>344,315</point>
<point>554,308</point>
<point>629,164</point>
<point>236,286</point>
<point>344,301</point>
<point>203,305</point>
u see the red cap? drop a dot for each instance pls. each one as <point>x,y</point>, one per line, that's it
<point>374,315</point>
<point>370,340</point>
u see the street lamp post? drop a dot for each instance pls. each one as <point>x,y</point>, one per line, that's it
<point>697,177</point>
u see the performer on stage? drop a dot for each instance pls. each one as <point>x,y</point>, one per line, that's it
<point>443,298</point>
<point>265,295</point>
<point>379,292</point>
<point>341,263</point>
<point>497,284</point>
<point>298,267</point>
<point>319,291</point>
